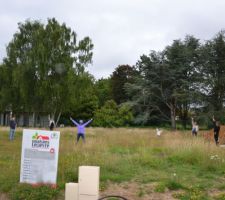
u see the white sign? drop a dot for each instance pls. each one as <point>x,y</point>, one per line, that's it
<point>39,159</point>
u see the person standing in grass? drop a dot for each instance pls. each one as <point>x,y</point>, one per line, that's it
<point>12,126</point>
<point>194,127</point>
<point>80,128</point>
<point>51,124</point>
<point>216,130</point>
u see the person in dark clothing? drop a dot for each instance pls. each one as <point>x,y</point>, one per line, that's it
<point>51,123</point>
<point>216,130</point>
<point>12,126</point>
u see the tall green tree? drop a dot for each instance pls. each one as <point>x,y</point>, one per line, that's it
<point>122,74</point>
<point>150,91</point>
<point>103,90</point>
<point>43,61</point>
<point>4,93</point>
<point>212,72</point>
<point>166,82</point>
<point>182,58</point>
<point>84,98</point>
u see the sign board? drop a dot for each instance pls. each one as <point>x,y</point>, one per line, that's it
<point>39,159</point>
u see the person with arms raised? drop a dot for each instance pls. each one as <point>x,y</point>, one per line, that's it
<point>80,128</point>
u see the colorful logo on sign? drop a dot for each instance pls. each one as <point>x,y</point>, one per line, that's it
<point>39,137</point>
<point>40,141</point>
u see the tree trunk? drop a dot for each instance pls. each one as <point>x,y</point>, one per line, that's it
<point>59,115</point>
<point>173,116</point>
<point>51,116</point>
<point>185,117</point>
<point>34,119</point>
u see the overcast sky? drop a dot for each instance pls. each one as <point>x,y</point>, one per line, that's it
<point>121,30</point>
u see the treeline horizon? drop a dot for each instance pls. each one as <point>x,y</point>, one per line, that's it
<point>44,71</point>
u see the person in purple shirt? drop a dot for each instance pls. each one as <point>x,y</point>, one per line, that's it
<point>80,128</point>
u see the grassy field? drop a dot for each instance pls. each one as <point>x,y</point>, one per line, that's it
<point>134,163</point>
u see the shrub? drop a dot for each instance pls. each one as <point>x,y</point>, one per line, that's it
<point>112,115</point>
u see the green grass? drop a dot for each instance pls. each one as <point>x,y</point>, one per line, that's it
<point>173,162</point>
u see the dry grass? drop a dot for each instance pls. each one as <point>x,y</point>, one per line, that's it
<point>149,166</point>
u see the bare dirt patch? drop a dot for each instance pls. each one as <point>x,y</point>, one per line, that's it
<point>3,197</point>
<point>133,191</point>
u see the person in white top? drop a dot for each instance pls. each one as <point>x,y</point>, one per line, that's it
<point>51,123</point>
<point>195,127</point>
<point>158,132</point>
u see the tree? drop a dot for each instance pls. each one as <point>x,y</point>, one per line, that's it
<point>165,82</point>
<point>43,61</point>
<point>84,98</point>
<point>182,58</point>
<point>112,115</point>
<point>122,74</point>
<point>5,89</point>
<point>151,90</point>
<point>103,90</point>
<point>213,73</point>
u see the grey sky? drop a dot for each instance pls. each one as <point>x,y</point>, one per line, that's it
<point>121,30</point>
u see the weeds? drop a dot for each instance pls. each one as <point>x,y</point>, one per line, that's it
<point>173,161</point>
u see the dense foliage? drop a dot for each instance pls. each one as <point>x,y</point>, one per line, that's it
<point>45,71</point>
<point>43,68</point>
<point>186,79</point>
<point>112,115</point>
<point>123,74</point>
